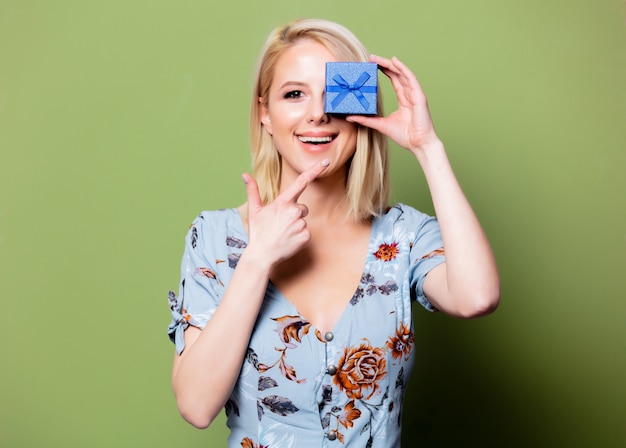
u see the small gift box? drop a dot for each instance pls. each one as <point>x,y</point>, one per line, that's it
<point>351,88</point>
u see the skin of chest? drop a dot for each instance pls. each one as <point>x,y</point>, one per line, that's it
<point>321,279</point>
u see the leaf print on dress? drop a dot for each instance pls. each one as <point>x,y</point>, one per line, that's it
<point>368,287</point>
<point>259,410</point>
<point>388,287</point>
<point>231,408</point>
<point>327,394</point>
<point>289,328</point>
<point>318,335</point>
<point>231,241</point>
<point>288,371</point>
<point>433,253</point>
<point>368,279</point>
<point>265,382</point>
<point>400,386</point>
<point>208,273</point>
<point>370,290</point>
<point>233,259</point>
<point>357,296</point>
<point>280,405</point>
<point>252,358</point>
<point>400,378</point>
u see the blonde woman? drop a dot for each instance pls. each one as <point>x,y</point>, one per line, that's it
<point>294,309</point>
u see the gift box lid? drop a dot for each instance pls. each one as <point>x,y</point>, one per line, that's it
<point>351,88</point>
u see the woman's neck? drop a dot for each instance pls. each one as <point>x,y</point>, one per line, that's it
<point>326,199</point>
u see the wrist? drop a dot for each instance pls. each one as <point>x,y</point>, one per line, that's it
<point>254,262</point>
<point>430,152</point>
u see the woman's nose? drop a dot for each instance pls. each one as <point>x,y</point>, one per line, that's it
<point>317,115</point>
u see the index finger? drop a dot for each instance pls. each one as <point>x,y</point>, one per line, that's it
<point>293,192</point>
<point>398,73</point>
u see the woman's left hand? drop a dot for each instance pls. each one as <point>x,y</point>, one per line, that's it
<point>411,125</point>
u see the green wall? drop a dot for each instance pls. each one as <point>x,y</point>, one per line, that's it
<point>121,120</point>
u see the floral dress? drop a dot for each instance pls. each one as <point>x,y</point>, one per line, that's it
<point>298,387</point>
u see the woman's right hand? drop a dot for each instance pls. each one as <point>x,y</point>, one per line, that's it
<point>278,230</point>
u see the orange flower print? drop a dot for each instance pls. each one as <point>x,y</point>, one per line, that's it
<point>348,415</point>
<point>291,328</point>
<point>387,252</point>
<point>402,343</point>
<point>359,371</point>
<point>247,442</point>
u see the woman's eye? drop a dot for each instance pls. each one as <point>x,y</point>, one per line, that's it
<point>293,94</point>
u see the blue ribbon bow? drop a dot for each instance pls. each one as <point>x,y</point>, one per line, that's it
<point>343,87</point>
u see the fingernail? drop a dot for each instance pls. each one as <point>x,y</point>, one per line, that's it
<point>325,162</point>
<point>244,178</point>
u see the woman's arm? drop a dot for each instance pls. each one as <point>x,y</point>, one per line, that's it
<point>205,373</point>
<point>467,284</point>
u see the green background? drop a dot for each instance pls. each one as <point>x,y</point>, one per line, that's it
<point>121,120</point>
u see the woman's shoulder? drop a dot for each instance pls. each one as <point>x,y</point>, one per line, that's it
<point>224,217</point>
<point>403,213</point>
<point>214,224</point>
<point>217,214</point>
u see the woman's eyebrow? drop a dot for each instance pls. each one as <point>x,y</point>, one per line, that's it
<point>292,84</point>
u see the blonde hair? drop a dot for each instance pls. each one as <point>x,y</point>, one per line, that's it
<point>367,187</point>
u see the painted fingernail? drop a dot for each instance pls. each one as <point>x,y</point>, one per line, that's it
<point>244,178</point>
<point>325,162</point>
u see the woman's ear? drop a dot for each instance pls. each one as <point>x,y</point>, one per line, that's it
<point>264,116</point>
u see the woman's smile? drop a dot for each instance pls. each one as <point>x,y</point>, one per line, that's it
<point>316,139</point>
<point>316,142</point>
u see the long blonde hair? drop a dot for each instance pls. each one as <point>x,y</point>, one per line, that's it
<point>367,188</point>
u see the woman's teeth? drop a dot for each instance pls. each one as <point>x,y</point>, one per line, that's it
<point>315,140</point>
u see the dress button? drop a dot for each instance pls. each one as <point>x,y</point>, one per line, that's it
<point>329,336</point>
<point>331,369</point>
<point>332,435</point>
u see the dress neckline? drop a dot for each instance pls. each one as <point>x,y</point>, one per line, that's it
<point>347,306</point>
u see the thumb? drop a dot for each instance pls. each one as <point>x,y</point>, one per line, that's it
<point>373,122</point>
<point>252,190</point>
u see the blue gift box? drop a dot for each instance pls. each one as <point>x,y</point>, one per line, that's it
<point>351,88</point>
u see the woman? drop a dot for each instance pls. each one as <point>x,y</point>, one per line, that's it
<point>294,310</point>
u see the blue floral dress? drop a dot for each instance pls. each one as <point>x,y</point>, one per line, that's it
<point>298,387</point>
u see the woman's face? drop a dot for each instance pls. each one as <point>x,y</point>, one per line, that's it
<point>294,115</point>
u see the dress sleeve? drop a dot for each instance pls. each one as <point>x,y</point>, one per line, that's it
<point>200,286</point>
<point>426,253</point>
